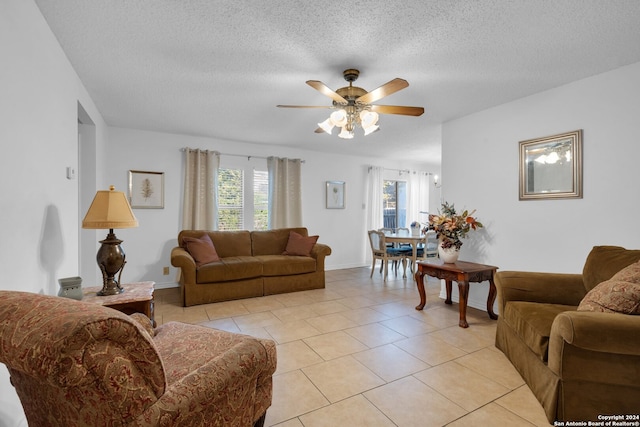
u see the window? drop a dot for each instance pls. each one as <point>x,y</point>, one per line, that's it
<point>242,199</point>
<point>394,198</point>
<point>230,199</point>
<point>260,200</point>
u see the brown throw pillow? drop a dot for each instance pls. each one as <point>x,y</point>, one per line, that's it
<point>201,249</point>
<point>299,245</point>
<point>620,294</point>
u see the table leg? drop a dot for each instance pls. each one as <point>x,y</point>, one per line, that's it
<point>463,290</point>
<point>420,284</point>
<point>447,285</point>
<point>491,299</point>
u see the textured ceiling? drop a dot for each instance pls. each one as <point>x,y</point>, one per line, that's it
<point>218,68</point>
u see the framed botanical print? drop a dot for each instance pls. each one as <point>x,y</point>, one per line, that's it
<point>335,194</point>
<point>146,189</point>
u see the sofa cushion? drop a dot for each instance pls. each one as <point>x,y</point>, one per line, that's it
<point>201,249</point>
<point>620,294</point>
<point>273,242</point>
<point>300,245</point>
<point>532,322</point>
<point>229,269</point>
<point>285,265</point>
<point>605,261</point>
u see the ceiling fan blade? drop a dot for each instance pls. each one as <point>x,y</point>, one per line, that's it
<point>324,89</point>
<point>319,130</point>
<point>385,90</point>
<point>397,109</point>
<point>304,106</point>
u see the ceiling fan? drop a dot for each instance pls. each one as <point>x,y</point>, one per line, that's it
<point>354,106</point>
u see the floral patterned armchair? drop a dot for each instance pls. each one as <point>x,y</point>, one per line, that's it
<point>76,364</point>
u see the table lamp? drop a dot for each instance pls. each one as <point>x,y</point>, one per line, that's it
<point>109,210</point>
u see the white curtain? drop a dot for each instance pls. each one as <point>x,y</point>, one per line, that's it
<point>375,184</point>
<point>199,206</point>
<point>285,192</point>
<point>418,192</point>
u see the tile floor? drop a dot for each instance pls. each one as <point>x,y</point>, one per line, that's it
<point>357,353</point>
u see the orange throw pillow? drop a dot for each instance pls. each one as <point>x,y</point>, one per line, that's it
<point>299,245</point>
<point>201,249</point>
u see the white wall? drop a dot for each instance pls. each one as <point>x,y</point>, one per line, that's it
<point>480,171</point>
<point>39,133</point>
<point>148,247</point>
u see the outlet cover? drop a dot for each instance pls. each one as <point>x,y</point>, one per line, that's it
<point>165,271</point>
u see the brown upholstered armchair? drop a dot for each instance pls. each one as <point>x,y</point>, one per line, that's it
<point>74,363</point>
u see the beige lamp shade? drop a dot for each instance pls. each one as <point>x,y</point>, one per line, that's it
<point>109,209</point>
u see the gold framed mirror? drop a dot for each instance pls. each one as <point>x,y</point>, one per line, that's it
<point>551,167</point>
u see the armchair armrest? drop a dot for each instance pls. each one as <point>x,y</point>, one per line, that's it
<point>552,288</point>
<point>595,331</point>
<point>213,377</point>
<point>181,258</point>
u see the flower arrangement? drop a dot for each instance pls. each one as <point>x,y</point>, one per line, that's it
<point>450,227</point>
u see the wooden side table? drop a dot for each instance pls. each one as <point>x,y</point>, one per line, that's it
<point>136,298</point>
<point>462,272</point>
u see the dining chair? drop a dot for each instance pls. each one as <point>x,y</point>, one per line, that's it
<point>380,250</point>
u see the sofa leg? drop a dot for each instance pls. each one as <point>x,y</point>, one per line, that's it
<point>260,421</point>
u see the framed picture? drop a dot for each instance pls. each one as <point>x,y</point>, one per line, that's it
<point>335,194</point>
<point>551,167</point>
<point>146,189</point>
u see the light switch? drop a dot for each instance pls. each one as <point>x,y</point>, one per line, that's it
<point>71,172</point>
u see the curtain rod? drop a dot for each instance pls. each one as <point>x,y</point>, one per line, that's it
<point>241,155</point>
<point>401,171</point>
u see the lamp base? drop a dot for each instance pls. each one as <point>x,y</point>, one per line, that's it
<point>111,260</point>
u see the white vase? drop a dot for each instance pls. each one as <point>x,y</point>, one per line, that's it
<point>448,255</point>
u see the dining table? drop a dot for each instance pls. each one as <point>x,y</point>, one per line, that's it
<point>407,237</point>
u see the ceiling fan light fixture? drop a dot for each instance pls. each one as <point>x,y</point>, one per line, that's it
<point>345,134</point>
<point>370,129</point>
<point>338,118</point>
<point>327,125</point>
<point>368,118</point>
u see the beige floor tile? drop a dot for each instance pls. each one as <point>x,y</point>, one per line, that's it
<point>256,320</point>
<point>408,326</point>
<point>290,314</point>
<point>331,322</point>
<point>374,334</point>
<point>389,362</point>
<point>523,403</point>
<point>355,411</point>
<point>341,378</point>
<point>491,415</point>
<point>327,307</point>
<point>295,355</point>
<point>468,339</point>
<point>363,316</point>
<point>358,301</point>
<point>318,295</point>
<point>293,395</point>
<point>430,349</point>
<point>225,309</point>
<point>285,332</point>
<point>293,299</point>
<point>409,402</point>
<point>438,314</point>
<point>462,385</point>
<point>193,316</point>
<point>335,344</point>
<point>396,308</point>
<point>291,423</point>
<point>257,305</point>
<point>223,324</point>
<point>493,365</point>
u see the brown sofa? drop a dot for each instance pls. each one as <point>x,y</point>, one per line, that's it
<point>578,364</point>
<point>75,363</point>
<point>251,264</point>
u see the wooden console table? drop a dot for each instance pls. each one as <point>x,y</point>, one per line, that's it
<point>462,272</point>
<point>136,298</point>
